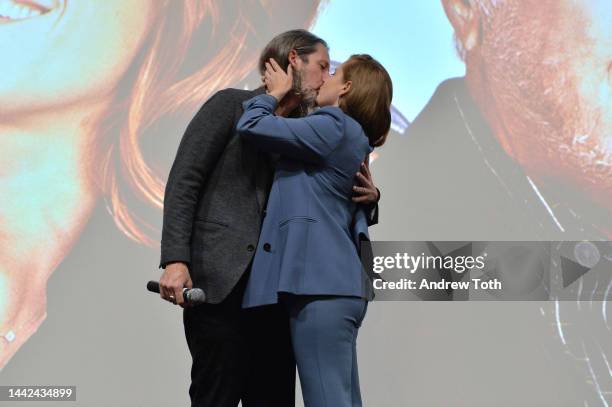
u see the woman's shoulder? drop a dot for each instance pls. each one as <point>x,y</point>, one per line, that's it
<point>349,125</point>
<point>340,118</point>
<point>350,129</point>
<point>333,111</point>
<point>331,119</point>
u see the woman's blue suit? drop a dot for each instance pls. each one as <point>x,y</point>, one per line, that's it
<point>309,241</point>
<point>308,249</point>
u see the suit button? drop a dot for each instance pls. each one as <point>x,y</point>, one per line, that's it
<point>264,213</point>
<point>267,247</point>
<point>250,247</point>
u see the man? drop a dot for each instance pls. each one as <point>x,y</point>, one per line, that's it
<point>214,204</point>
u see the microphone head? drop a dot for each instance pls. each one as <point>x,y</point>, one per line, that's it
<point>195,296</point>
<point>153,286</point>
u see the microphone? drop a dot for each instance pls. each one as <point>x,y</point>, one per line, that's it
<point>192,296</point>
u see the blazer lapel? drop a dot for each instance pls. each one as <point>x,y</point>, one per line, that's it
<point>264,171</point>
<point>263,179</point>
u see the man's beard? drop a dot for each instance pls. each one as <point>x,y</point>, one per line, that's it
<point>307,96</point>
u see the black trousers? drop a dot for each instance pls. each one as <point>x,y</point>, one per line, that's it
<point>240,354</point>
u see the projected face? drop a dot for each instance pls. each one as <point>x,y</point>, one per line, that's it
<point>541,71</point>
<point>80,85</point>
<point>61,62</point>
<point>58,52</point>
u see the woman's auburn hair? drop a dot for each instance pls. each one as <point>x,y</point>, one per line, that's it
<point>368,100</point>
<point>196,48</point>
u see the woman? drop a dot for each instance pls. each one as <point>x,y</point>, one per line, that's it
<point>307,257</point>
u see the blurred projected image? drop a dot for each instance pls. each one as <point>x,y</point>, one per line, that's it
<point>540,75</point>
<point>521,148</point>
<point>524,140</point>
<point>79,101</point>
<point>581,321</point>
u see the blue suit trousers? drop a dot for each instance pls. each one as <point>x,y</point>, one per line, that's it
<point>324,336</point>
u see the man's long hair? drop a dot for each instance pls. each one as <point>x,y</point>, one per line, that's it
<point>304,43</point>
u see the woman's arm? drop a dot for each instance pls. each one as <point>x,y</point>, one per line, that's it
<point>310,138</point>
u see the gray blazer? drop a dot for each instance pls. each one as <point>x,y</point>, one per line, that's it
<point>215,197</point>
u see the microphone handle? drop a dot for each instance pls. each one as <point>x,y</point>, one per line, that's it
<point>153,286</point>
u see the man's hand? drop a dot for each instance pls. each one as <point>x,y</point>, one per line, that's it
<point>174,278</point>
<point>366,190</point>
<point>278,83</point>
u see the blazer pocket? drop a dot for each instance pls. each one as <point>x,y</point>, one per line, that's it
<point>211,221</point>
<point>296,219</point>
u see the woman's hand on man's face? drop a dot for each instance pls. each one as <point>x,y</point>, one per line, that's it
<point>278,82</point>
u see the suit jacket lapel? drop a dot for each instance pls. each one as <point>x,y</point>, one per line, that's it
<point>264,171</point>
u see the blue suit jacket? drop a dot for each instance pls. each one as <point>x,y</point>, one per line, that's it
<point>309,242</point>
